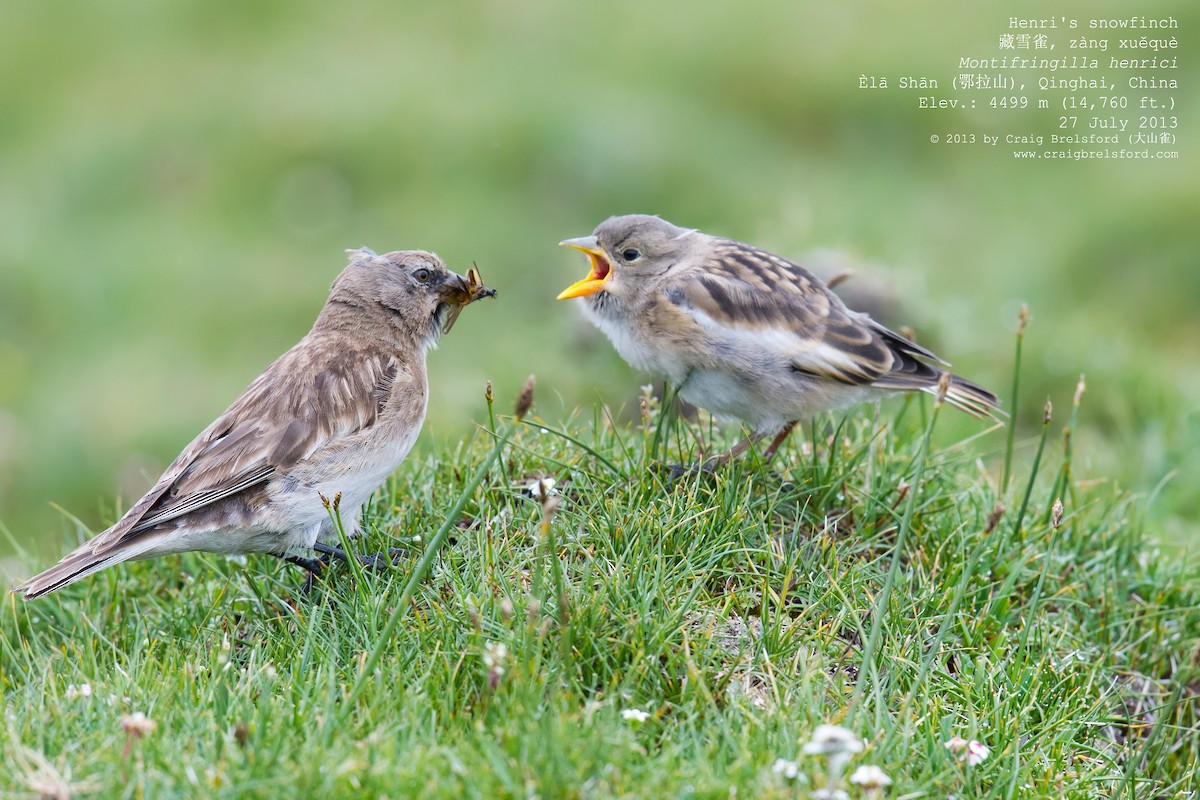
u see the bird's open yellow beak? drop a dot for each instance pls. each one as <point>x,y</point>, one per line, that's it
<point>600,273</point>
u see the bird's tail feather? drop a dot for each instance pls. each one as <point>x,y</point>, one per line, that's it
<point>81,562</point>
<point>971,398</point>
<point>962,394</point>
<point>918,369</point>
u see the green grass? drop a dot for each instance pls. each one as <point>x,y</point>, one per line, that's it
<point>865,578</point>
<point>180,180</point>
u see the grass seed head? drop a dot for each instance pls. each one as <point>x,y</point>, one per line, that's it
<point>943,387</point>
<point>525,398</point>
<point>994,518</point>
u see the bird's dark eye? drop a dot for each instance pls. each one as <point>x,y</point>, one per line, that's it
<point>421,275</point>
<point>631,254</point>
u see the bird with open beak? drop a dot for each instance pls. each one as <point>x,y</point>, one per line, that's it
<point>333,416</point>
<point>745,333</point>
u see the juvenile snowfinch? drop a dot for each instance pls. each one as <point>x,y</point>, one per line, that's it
<point>743,332</point>
<point>335,414</point>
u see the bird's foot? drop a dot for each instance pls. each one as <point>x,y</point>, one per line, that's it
<point>677,471</point>
<point>326,553</point>
<point>314,567</point>
<point>372,561</point>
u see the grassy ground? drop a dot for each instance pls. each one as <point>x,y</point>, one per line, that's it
<point>876,576</point>
<point>180,180</point>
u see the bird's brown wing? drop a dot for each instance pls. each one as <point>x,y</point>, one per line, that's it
<point>307,398</point>
<point>747,292</point>
<point>775,304</point>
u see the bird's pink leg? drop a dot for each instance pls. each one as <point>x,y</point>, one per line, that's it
<point>779,439</point>
<point>731,453</point>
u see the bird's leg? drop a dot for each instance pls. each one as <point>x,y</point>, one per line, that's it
<point>711,465</point>
<point>731,453</point>
<point>374,561</point>
<point>779,439</point>
<point>315,567</point>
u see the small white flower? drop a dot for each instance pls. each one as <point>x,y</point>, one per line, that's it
<point>830,794</point>
<point>977,752</point>
<point>82,690</point>
<point>788,769</point>
<point>974,752</point>
<point>494,654</point>
<point>838,745</point>
<point>956,744</point>
<point>828,739</point>
<point>138,724</point>
<point>635,715</point>
<point>870,777</point>
<point>542,488</point>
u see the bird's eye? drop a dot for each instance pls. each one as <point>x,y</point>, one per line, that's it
<point>631,254</point>
<point>421,275</point>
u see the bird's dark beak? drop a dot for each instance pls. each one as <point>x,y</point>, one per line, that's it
<point>599,274</point>
<point>458,292</point>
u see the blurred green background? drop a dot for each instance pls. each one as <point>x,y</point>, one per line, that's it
<point>179,181</point>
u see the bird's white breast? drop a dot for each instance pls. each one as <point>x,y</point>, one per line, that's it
<point>631,344</point>
<point>354,466</point>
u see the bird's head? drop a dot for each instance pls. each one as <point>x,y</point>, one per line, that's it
<point>627,251</point>
<point>413,288</point>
